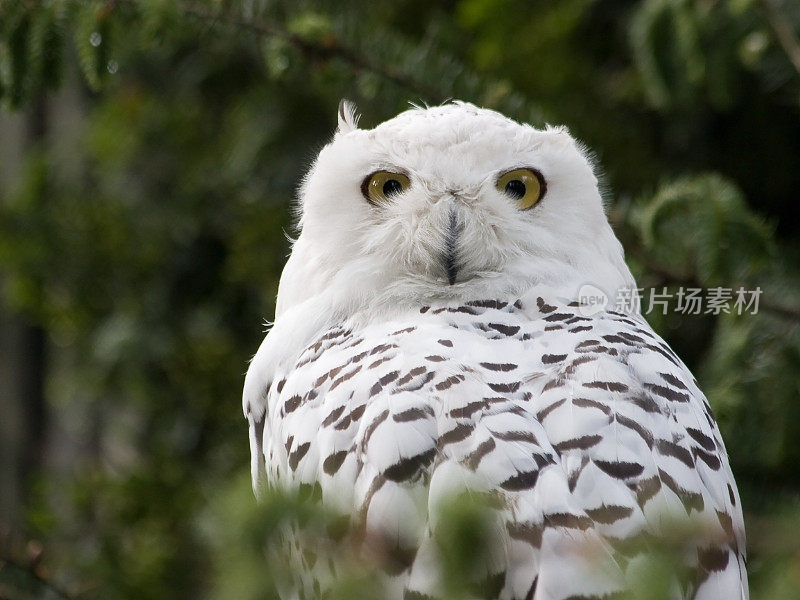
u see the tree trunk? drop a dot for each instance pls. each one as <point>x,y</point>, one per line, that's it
<point>22,368</point>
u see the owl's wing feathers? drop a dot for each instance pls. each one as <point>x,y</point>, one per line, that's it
<point>586,434</point>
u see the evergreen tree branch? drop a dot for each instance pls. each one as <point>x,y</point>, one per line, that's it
<point>667,277</point>
<point>326,49</point>
<point>31,571</point>
<point>782,28</point>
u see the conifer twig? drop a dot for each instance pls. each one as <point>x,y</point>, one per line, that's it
<point>31,571</point>
<point>327,48</point>
<point>782,28</point>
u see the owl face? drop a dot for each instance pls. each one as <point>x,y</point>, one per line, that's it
<point>449,202</point>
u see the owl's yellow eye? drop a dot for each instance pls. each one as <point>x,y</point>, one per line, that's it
<point>525,186</point>
<point>383,185</point>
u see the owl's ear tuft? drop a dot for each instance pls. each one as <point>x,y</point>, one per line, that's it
<point>348,117</point>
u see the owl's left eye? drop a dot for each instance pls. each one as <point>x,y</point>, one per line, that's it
<point>525,186</point>
<point>383,185</point>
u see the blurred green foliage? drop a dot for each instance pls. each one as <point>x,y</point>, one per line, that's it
<point>146,237</point>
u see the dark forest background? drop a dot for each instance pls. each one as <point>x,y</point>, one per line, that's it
<point>149,152</point>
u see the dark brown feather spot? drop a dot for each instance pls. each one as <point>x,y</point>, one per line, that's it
<point>410,466</point>
<point>520,481</point>
<point>611,513</point>
<point>331,464</point>
<point>620,469</point>
<point>291,404</point>
<point>508,330</point>
<point>549,359</point>
<point>569,520</point>
<point>581,443</point>
<point>499,366</point>
<point>611,386</point>
<point>296,456</point>
<point>713,559</point>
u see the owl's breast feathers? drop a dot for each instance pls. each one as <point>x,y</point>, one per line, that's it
<point>588,433</point>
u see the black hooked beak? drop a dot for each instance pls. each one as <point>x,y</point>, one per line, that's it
<point>450,247</point>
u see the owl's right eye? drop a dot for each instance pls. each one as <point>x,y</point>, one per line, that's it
<point>381,186</point>
<point>525,186</point>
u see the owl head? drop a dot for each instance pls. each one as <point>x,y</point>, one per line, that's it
<point>450,202</point>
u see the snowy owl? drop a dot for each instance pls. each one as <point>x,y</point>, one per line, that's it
<point>431,340</point>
